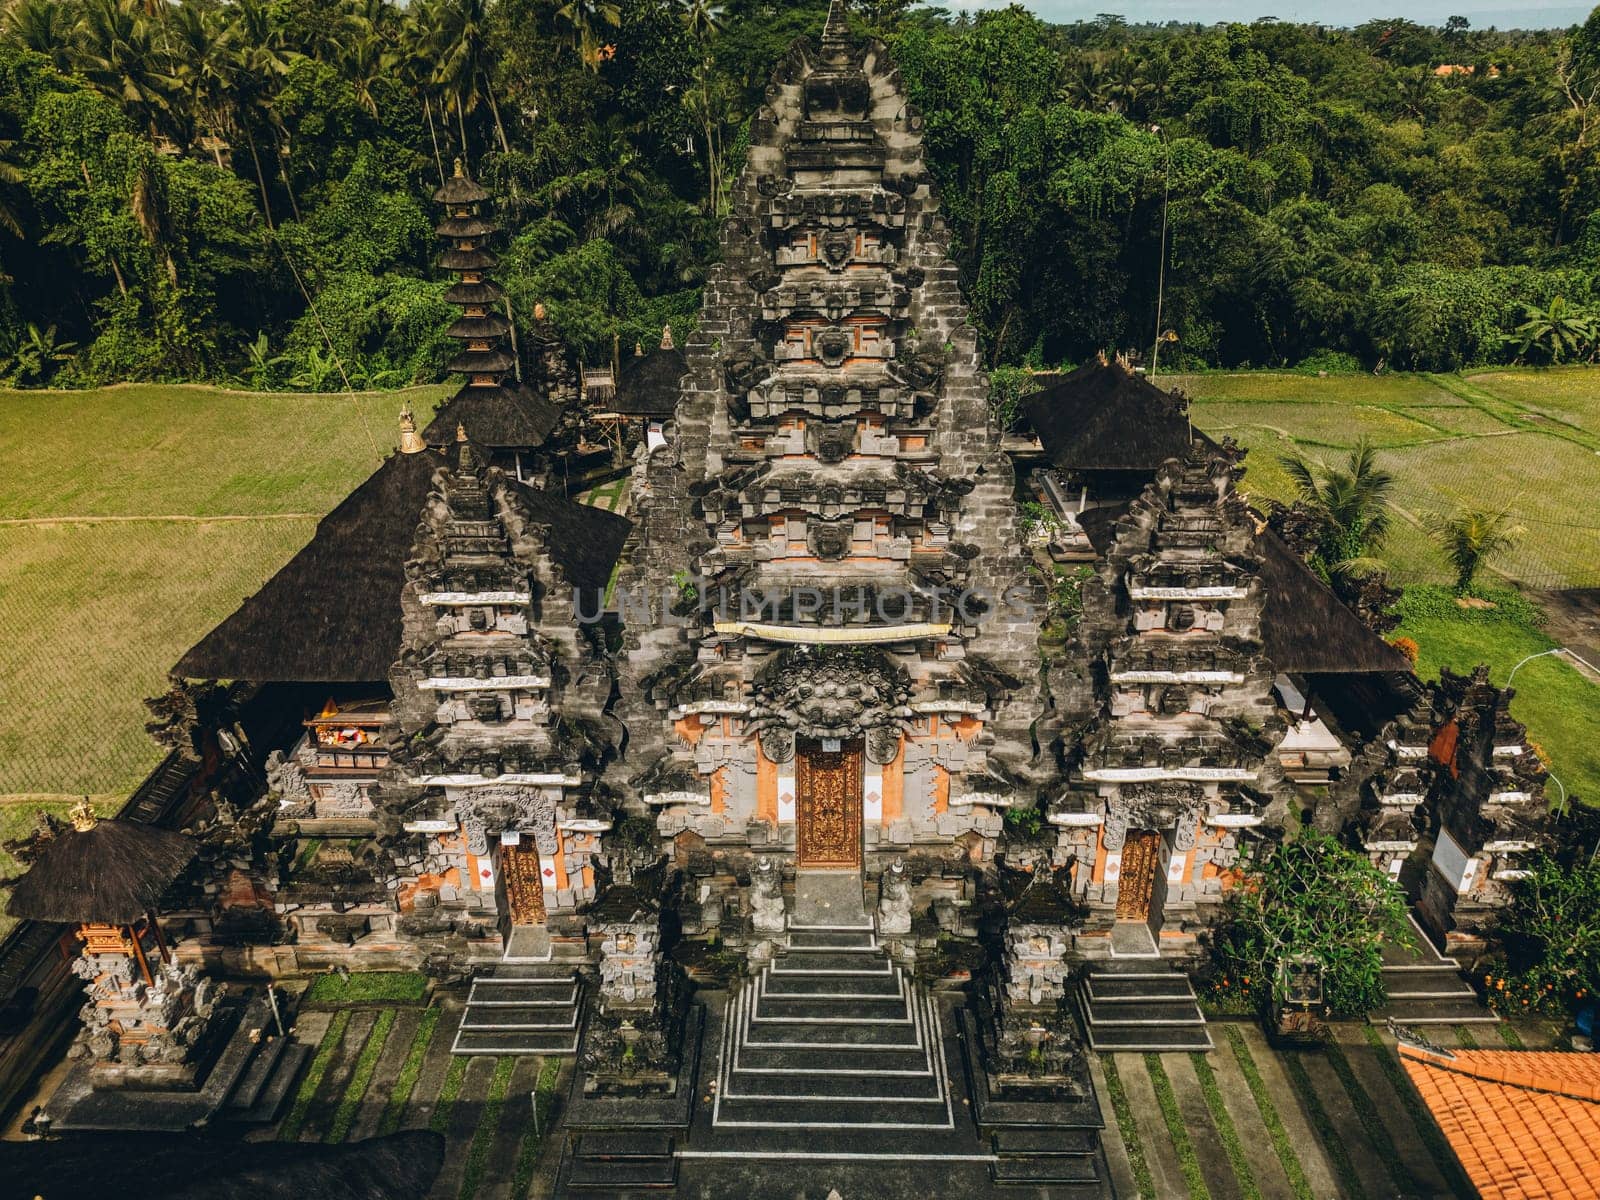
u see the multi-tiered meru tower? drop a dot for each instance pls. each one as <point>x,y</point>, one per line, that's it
<point>852,679</point>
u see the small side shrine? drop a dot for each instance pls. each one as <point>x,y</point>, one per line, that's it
<point>147,1017</point>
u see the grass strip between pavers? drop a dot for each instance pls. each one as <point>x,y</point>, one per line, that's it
<point>1227,1132</point>
<point>1464,1038</point>
<point>1269,1115</point>
<point>1510,1036</point>
<point>544,1099</point>
<point>1372,1121</point>
<point>410,1072</point>
<point>449,1093</point>
<point>1327,1133</point>
<point>1184,1148</point>
<point>1427,1129</point>
<point>359,986</point>
<point>361,1078</point>
<point>1127,1127</point>
<point>488,1126</point>
<point>289,1131</point>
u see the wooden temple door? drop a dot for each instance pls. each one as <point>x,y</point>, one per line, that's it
<point>1140,854</point>
<point>519,865</point>
<point>828,812</point>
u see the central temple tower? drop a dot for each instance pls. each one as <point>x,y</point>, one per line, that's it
<point>850,674</point>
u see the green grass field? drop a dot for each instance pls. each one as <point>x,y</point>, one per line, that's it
<point>1528,438</point>
<point>132,520</point>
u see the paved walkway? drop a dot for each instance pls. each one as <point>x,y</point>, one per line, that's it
<point>1241,1122</point>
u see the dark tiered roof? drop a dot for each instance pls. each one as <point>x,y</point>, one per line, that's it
<point>1306,628</point>
<point>483,362</point>
<point>466,227</point>
<point>491,325</point>
<point>176,1166</point>
<point>467,260</point>
<point>503,417</point>
<point>648,386</point>
<point>1103,417</point>
<point>460,189</point>
<point>485,291</point>
<point>112,873</point>
<point>332,614</point>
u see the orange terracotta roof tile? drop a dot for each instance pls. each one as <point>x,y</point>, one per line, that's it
<point>1524,1124</point>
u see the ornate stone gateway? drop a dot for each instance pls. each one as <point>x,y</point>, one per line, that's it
<point>828,830</point>
<point>524,889</point>
<point>1140,854</point>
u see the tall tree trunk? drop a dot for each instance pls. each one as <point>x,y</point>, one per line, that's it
<point>261,180</point>
<point>461,124</point>
<point>433,136</point>
<point>494,109</point>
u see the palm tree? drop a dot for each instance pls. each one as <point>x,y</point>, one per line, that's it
<point>46,27</point>
<point>12,179</point>
<point>258,58</point>
<point>117,54</point>
<point>702,19</point>
<point>465,63</point>
<point>203,70</point>
<point>1470,537</point>
<point>1350,505</point>
<point>1560,331</point>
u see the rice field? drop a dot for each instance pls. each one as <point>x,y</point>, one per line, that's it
<point>1528,439</point>
<point>132,520</point>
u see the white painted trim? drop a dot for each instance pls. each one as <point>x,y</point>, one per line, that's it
<point>472,598</point>
<point>495,683</point>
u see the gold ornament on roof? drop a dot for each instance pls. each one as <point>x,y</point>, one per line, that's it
<point>461,432</point>
<point>410,440</point>
<point>666,337</point>
<point>83,816</point>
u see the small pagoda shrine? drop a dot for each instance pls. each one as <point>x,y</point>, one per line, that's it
<point>147,1014</point>
<point>507,418</point>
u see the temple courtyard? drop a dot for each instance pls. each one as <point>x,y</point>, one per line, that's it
<point>1242,1120</point>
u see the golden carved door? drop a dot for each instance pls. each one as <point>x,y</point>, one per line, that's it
<point>828,815</point>
<point>519,865</point>
<point>1140,853</point>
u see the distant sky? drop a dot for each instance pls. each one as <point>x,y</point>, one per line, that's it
<point>1503,14</point>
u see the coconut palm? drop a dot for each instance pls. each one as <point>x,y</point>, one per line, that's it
<point>46,27</point>
<point>1349,504</point>
<point>1470,537</point>
<point>1560,331</point>
<point>464,63</point>
<point>117,53</point>
<point>586,21</point>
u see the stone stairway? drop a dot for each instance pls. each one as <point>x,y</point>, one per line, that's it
<point>832,1035</point>
<point>1427,988</point>
<point>1140,1004</point>
<point>522,1008</point>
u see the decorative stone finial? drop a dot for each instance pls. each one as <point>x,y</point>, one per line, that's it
<point>638,349</point>
<point>460,171</point>
<point>835,29</point>
<point>538,311</point>
<point>410,440</point>
<point>461,432</point>
<point>666,337</point>
<point>82,814</point>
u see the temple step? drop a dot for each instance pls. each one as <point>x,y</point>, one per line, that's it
<point>900,1061</point>
<point>1149,1008</point>
<point>837,1010</point>
<point>862,1086</point>
<point>832,986</point>
<point>833,962</point>
<point>1018,1142</point>
<point>825,939</point>
<point>522,1008</point>
<point>791,1112</point>
<point>522,1041</point>
<point>1430,993</point>
<point>1051,1168</point>
<point>864,1034</point>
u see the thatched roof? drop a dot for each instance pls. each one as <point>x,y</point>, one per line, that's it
<point>1306,628</point>
<point>460,188</point>
<point>648,386</point>
<point>585,540</point>
<point>483,362</point>
<point>170,1166</point>
<point>332,614</point>
<point>112,873</point>
<point>505,417</point>
<point>1103,417</point>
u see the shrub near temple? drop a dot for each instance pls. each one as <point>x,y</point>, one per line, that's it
<point>1310,896</point>
<point>1552,941</point>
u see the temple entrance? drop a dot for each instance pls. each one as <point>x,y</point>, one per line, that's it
<point>519,864</point>
<point>828,808</point>
<point>1141,853</point>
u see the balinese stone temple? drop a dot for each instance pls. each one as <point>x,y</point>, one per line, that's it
<point>834,803</point>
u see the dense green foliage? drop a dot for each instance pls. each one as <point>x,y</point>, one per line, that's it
<point>1309,896</point>
<point>238,189</point>
<point>1552,939</point>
